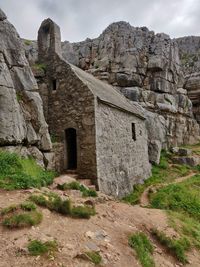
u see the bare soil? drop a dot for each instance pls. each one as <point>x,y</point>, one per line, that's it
<point>106,232</point>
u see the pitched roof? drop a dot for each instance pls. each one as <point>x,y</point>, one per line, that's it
<point>107,93</point>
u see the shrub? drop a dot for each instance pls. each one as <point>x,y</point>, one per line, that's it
<point>23,219</point>
<point>177,247</point>
<point>94,257</point>
<point>36,247</point>
<point>21,173</point>
<point>143,248</point>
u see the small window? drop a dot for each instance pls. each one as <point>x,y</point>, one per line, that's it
<point>54,85</point>
<point>133,131</point>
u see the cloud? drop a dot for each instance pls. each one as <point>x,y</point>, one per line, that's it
<point>80,19</point>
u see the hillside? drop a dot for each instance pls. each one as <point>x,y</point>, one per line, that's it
<point>170,224</point>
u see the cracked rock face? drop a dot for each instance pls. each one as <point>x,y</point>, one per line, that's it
<point>21,112</point>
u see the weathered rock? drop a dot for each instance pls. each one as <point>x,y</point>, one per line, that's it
<point>191,161</point>
<point>21,111</point>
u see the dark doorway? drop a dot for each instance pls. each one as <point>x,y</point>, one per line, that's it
<point>71,148</point>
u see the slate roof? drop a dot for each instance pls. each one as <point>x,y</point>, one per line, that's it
<point>107,93</point>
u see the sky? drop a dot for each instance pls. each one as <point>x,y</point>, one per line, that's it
<point>81,19</point>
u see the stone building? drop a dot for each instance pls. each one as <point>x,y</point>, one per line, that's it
<point>98,132</point>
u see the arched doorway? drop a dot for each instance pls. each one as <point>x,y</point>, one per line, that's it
<point>71,148</point>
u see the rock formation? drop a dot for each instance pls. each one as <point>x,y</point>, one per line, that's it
<point>189,51</point>
<point>22,124</point>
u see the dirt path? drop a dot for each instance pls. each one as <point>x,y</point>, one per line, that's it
<point>144,199</point>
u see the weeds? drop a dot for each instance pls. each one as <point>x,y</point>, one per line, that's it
<point>143,248</point>
<point>83,212</point>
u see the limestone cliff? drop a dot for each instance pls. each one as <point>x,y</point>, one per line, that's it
<point>22,124</point>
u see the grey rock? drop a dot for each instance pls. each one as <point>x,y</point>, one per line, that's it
<point>191,161</point>
<point>21,111</point>
<point>2,15</point>
<point>155,148</point>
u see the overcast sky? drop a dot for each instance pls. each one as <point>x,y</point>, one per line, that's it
<point>80,19</point>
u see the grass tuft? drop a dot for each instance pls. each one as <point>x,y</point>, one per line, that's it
<point>94,257</point>
<point>36,247</point>
<point>143,247</point>
<point>83,212</point>
<point>28,206</point>
<point>23,219</point>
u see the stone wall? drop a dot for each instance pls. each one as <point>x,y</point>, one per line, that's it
<point>71,105</point>
<point>121,161</point>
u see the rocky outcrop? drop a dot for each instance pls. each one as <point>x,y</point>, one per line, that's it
<point>146,68</point>
<point>22,120</point>
<point>189,52</point>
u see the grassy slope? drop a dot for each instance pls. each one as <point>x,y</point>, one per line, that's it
<point>162,173</point>
<point>22,173</point>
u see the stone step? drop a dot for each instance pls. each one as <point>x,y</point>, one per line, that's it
<point>86,182</point>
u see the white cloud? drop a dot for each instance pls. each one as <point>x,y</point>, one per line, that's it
<point>80,19</point>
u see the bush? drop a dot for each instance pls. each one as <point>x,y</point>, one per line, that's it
<point>36,247</point>
<point>143,247</point>
<point>177,247</point>
<point>23,219</point>
<point>94,257</point>
<point>22,173</point>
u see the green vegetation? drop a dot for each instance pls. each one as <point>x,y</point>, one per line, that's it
<point>54,138</point>
<point>186,227</point>
<point>19,96</point>
<point>27,42</point>
<point>181,197</point>
<point>23,219</point>
<point>143,247</point>
<point>178,247</point>
<point>83,212</point>
<point>28,206</point>
<point>36,247</point>
<point>54,203</point>
<point>94,257</point>
<point>9,209</point>
<point>39,66</point>
<point>161,173</point>
<point>22,173</point>
<point>77,186</point>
